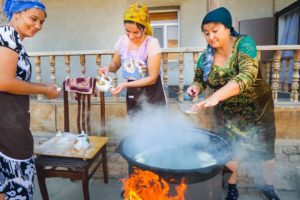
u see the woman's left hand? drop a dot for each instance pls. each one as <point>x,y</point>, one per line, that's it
<point>209,102</point>
<point>117,90</point>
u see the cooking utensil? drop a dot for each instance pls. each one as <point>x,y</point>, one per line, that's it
<point>187,108</point>
<point>197,154</point>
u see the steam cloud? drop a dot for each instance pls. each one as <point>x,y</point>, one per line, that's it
<point>166,139</point>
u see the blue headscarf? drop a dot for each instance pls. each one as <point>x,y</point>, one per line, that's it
<point>13,6</point>
<point>220,15</point>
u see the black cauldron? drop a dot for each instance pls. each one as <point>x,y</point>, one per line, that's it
<point>195,154</point>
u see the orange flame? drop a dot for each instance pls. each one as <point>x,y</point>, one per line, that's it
<point>145,185</point>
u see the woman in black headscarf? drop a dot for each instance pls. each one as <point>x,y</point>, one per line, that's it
<point>243,100</point>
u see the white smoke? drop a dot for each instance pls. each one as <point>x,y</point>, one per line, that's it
<point>165,138</point>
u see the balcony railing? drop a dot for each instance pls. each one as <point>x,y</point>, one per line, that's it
<point>50,65</point>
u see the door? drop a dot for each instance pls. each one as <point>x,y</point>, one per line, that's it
<point>262,30</point>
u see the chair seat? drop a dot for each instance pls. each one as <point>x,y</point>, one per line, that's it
<point>74,164</point>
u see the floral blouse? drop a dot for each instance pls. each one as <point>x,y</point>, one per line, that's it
<point>242,113</point>
<point>9,38</point>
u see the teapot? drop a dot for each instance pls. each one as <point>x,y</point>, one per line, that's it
<point>82,141</point>
<point>104,83</point>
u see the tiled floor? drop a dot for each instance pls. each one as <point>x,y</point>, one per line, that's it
<point>63,189</point>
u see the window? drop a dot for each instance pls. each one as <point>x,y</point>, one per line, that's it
<point>288,28</point>
<point>288,24</point>
<point>165,28</point>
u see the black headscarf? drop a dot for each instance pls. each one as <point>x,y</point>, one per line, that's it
<point>221,15</point>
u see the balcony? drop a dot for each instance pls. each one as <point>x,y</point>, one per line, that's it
<point>183,58</point>
<point>177,67</point>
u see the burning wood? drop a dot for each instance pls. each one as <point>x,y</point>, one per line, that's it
<point>146,185</point>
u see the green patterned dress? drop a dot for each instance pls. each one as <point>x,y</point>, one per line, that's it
<point>247,118</point>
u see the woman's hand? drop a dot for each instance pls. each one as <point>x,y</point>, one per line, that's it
<point>52,91</point>
<point>209,102</point>
<point>117,90</point>
<point>103,71</point>
<point>225,92</point>
<point>193,90</point>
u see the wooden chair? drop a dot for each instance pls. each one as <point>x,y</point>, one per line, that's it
<point>75,168</point>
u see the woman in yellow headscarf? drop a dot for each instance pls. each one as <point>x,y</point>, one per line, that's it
<point>139,54</point>
<point>139,14</point>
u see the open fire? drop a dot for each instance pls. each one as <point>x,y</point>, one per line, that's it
<point>146,185</point>
<point>157,167</point>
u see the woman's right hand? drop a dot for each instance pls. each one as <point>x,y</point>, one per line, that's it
<point>193,90</point>
<point>52,91</point>
<point>103,70</point>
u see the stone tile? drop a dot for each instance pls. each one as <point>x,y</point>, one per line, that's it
<point>287,119</point>
<point>288,150</point>
<point>42,117</point>
<point>278,149</point>
<point>294,158</point>
<point>281,158</point>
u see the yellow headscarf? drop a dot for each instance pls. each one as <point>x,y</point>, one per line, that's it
<point>139,13</point>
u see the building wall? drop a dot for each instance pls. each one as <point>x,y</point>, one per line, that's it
<point>96,24</point>
<point>74,25</point>
<point>80,25</point>
<point>280,4</point>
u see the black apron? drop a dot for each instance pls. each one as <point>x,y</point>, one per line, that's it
<point>16,139</point>
<point>153,94</point>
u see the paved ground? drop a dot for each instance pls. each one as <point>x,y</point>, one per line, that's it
<point>64,189</point>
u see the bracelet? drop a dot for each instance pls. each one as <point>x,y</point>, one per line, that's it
<point>199,85</point>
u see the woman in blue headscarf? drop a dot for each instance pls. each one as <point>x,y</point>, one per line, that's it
<point>25,19</point>
<point>243,100</point>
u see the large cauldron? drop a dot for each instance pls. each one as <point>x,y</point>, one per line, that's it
<point>196,154</point>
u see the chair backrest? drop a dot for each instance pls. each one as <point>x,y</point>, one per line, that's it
<point>83,120</point>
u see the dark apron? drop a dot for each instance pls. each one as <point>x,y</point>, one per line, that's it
<point>16,139</point>
<point>153,95</point>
